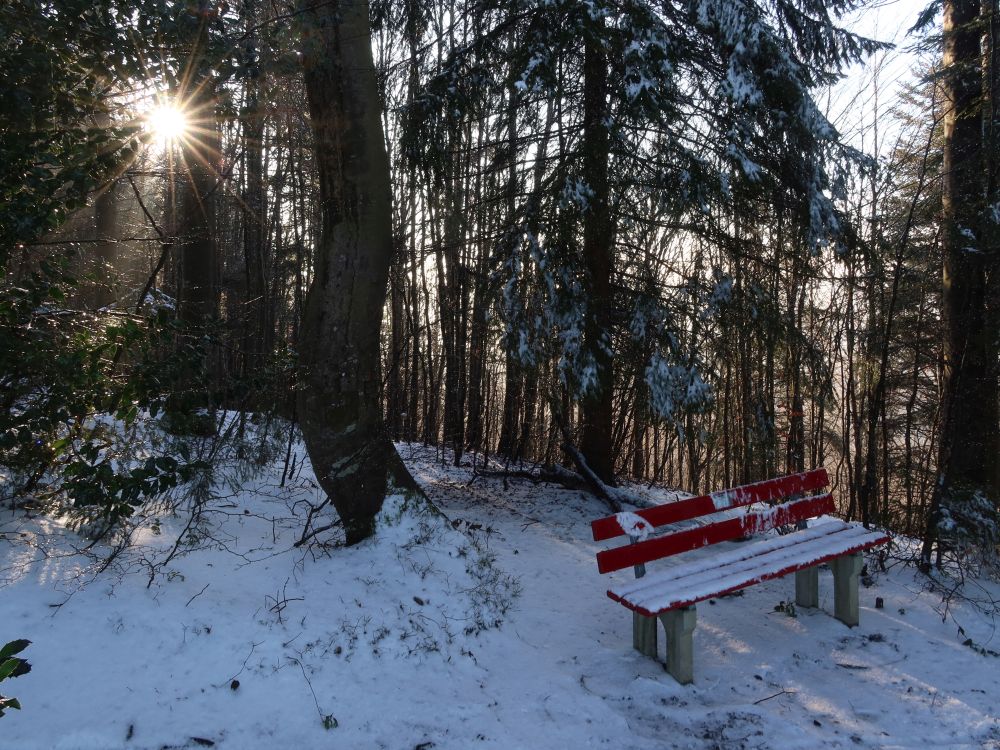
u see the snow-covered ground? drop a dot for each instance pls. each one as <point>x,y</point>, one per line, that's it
<point>488,629</point>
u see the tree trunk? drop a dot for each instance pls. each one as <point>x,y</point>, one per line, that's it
<point>411,299</point>
<point>967,459</point>
<point>595,443</point>
<point>639,422</point>
<point>478,334</point>
<point>398,343</point>
<point>339,403</point>
<point>990,244</point>
<point>795,457</point>
<point>106,261</point>
<point>198,290</point>
<point>257,333</point>
<point>513,370</point>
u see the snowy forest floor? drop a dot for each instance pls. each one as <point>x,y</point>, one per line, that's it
<point>488,629</point>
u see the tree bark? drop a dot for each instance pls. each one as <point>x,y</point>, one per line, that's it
<point>198,290</point>
<point>339,402</point>
<point>106,260</point>
<point>967,458</point>
<point>595,443</point>
<point>256,328</point>
<point>990,243</point>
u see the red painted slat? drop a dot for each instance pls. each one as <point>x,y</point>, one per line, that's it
<point>755,579</point>
<point>682,541</point>
<point>682,510</point>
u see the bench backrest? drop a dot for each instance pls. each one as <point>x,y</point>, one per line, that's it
<point>747,524</point>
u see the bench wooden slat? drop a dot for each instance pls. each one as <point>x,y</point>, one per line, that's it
<point>682,510</point>
<point>734,528</point>
<point>707,567</point>
<point>688,583</point>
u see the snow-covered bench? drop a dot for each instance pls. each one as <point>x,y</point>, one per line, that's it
<point>670,594</point>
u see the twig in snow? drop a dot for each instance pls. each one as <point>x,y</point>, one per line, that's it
<point>253,647</point>
<point>281,601</point>
<point>198,594</point>
<point>783,692</point>
<point>308,533</point>
<point>329,721</point>
<point>191,522</point>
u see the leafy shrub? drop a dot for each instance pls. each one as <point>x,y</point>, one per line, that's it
<point>68,413</point>
<point>11,667</point>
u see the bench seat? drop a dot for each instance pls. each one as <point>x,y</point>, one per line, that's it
<point>689,582</point>
<point>699,536</point>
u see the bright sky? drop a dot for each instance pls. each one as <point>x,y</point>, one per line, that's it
<point>870,90</point>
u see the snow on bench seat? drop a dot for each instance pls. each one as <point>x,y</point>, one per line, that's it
<point>710,576</point>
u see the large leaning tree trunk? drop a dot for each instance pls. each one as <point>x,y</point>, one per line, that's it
<point>338,403</point>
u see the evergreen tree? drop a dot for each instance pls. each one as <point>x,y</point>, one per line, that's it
<point>697,108</point>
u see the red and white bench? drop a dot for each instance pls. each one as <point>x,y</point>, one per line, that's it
<point>671,593</point>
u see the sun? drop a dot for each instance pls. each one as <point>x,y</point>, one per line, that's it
<point>167,123</point>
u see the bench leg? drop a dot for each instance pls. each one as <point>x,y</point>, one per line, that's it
<point>845,587</point>
<point>807,587</point>
<point>644,634</point>
<point>679,626</point>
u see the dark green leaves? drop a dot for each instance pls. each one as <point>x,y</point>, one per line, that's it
<point>13,648</point>
<point>10,667</point>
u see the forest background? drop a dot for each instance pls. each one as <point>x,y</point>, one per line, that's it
<point>617,239</point>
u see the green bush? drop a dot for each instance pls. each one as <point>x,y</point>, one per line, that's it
<point>11,667</point>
